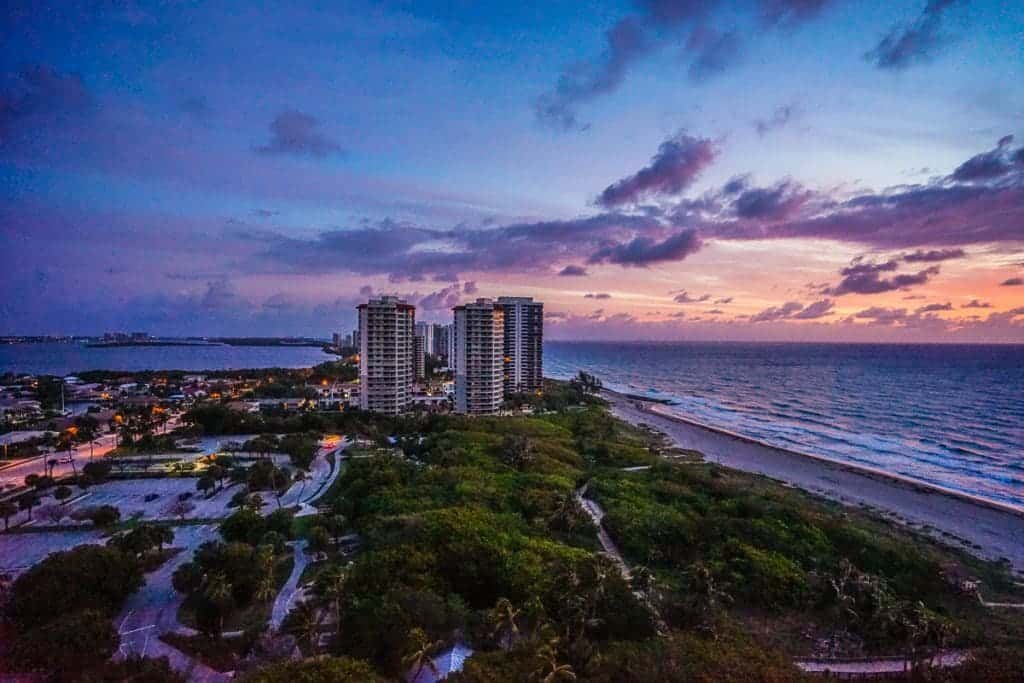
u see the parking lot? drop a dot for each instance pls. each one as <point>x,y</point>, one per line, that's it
<point>130,497</point>
<point>18,552</point>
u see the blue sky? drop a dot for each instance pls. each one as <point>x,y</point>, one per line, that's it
<point>199,168</point>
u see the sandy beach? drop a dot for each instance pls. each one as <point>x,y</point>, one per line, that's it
<point>983,528</point>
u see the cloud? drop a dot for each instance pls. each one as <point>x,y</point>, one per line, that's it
<point>366,290</point>
<point>39,92</point>
<point>585,81</point>
<point>573,271</point>
<point>470,287</point>
<point>934,308</point>
<point>882,316</point>
<point>790,12</point>
<point>714,311</point>
<point>774,313</point>
<point>685,298</point>
<point>818,309</point>
<point>678,163</point>
<point>866,278</point>
<point>779,119</point>
<point>442,299</point>
<point>295,133</point>
<point>917,43</point>
<point>934,255</point>
<point>992,164</point>
<point>771,203</point>
<point>724,300</point>
<point>714,53</point>
<point>597,295</point>
<point>642,251</point>
<point>974,303</point>
<point>1012,282</point>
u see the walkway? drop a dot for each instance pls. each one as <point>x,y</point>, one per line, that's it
<point>596,514</point>
<point>285,597</point>
<point>853,668</point>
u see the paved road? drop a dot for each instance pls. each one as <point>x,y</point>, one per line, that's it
<point>15,475</point>
<point>878,667</point>
<point>154,610</point>
<point>321,475</point>
<point>285,598</point>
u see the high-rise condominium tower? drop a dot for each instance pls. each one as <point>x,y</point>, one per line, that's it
<point>479,349</point>
<point>386,354</point>
<point>524,343</point>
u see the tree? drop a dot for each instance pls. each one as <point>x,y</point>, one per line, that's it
<point>323,669</point>
<point>205,484</point>
<point>62,492</point>
<point>319,540</point>
<point>87,577</point>
<point>180,508</point>
<point>330,587</point>
<point>217,473</point>
<point>53,512</point>
<point>105,516</point>
<point>517,451</point>
<point>68,644</point>
<point>97,470</point>
<point>305,624</point>
<point>503,620</point>
<point>27,501</point>
<point>421,651</point>
<point>550,671</point>
<point>7,510</point>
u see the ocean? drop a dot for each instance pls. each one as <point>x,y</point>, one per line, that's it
<point>946,415</point>
<point>64,359</point>
<point>939,414</point>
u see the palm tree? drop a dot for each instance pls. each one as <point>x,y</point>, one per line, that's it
<point>503,618</point>
<point>332,583</point>
<point>421,653</point>
<point>266,590</point>
<point>218,591</point>
<point>7,510</point>
<point>306,624</point>
<point>550,671</point>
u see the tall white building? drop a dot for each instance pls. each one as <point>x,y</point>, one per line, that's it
<point>523,344</point>
<point>479,353</point>
<point>426,330</point>
<point>386,344</point>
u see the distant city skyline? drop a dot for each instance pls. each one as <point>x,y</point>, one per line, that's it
<point>651,169</point>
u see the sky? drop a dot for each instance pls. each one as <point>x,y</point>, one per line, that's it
<point>777,170</point>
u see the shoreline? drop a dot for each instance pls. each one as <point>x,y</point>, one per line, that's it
<point>979,526</point>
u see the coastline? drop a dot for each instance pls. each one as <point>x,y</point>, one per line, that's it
<point>979,526</point>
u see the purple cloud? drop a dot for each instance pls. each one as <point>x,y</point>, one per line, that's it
<point>597,295</point>
<point>989,165</point>
<point>882,316</point>
<point>470,287</point>
<point>40,92</point>
<point>584,81</point>
<point>1012,282</point>
<point>791,12</point>
<point>866,278</point>
<point>818,309</point>
<point>774,313</point>
<point>678,163</point>
<point>714,53</point>
<point>642,251</point>
<point>779,119</point>
<point>573,271</point>
<point>774,203</point>
<point>974,303</point>
<point>935,308</point>
<point>904,46</point>
<point>934,255</point>
<point>295,133</point>
<point>685,298</point>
